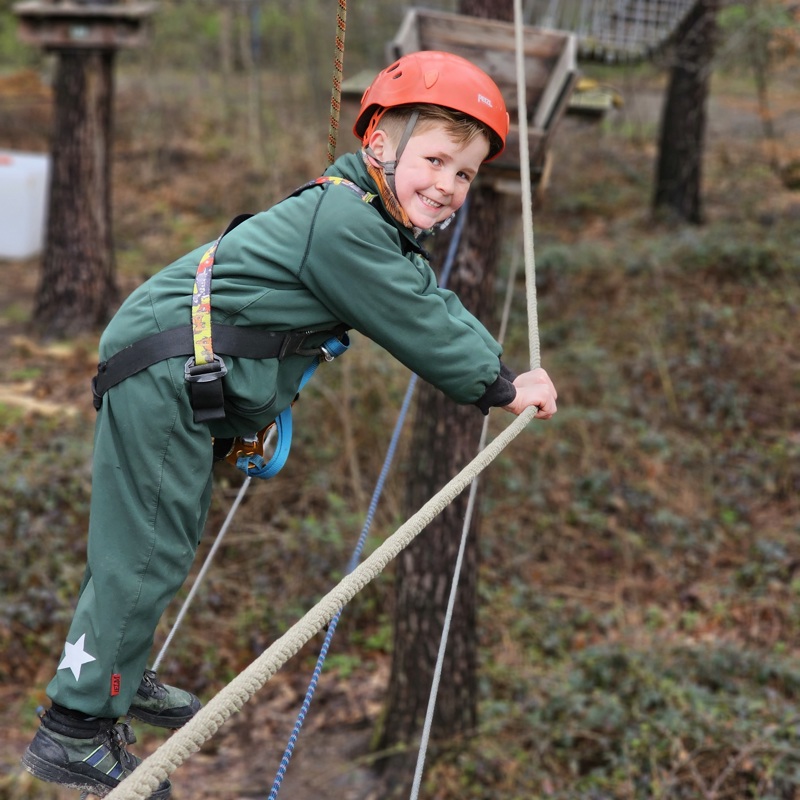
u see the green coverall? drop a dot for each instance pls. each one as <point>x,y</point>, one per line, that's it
<point>313,261</point>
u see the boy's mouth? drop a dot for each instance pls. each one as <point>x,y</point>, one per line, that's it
<point>428,202</point>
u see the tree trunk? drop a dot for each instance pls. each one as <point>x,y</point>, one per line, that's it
<point>683,124</point>
<point>77,286</point>
<point>445,438</point>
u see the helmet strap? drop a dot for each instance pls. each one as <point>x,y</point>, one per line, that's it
<point>390,167</point>
<point>409,130</point>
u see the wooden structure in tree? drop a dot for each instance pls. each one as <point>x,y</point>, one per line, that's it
<point>77,285</point>
<point>550,74</point>
<point>83,25</point>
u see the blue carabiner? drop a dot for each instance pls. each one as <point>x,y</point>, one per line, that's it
<point>256,466</point>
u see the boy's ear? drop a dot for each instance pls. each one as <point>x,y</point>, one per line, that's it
<point>380,145</point>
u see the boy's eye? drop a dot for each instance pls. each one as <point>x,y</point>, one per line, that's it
<point>437,162</point>
<point>465,176</point>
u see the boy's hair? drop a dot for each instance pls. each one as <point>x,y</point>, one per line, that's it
<point>461,127</point>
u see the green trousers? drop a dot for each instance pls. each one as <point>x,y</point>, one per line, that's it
<point>151,489</point>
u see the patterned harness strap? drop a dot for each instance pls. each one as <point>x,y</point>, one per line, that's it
<point>205,366</point>
<point>205,369</point>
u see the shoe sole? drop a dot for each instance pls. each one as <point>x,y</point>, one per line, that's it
<point>160,722</point>
<point>52,773</point>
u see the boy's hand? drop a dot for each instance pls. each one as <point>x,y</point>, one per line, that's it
<point>534,388</point>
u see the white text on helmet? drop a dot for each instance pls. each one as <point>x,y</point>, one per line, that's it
<point>485,101</point>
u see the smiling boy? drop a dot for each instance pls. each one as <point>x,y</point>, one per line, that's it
<point>340,253</point>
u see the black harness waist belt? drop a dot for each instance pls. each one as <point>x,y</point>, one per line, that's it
<point>230,340</point>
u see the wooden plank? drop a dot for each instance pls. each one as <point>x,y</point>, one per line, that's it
<point>561,81</point>
<point>83,26</point>
<point>446,31</point>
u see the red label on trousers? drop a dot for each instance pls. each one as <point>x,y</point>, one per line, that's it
<point>116,683</point>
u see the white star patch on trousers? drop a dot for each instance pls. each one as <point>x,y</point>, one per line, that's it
<point>75,657</point>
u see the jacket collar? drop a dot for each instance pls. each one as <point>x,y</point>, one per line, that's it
<point>352,167</point>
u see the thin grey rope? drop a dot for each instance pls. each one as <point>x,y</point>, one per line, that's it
<point>473,492</point>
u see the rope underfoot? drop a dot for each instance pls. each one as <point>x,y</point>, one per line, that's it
<point>187,740</point>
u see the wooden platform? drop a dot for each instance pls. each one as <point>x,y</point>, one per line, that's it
<point>71,25</point>
<point>550,72</point>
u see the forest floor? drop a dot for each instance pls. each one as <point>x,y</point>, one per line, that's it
<point>44,392</point>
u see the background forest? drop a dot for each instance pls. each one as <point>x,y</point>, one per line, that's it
<point>640,553</point>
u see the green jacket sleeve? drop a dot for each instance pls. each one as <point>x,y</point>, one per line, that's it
<point>359,271</point>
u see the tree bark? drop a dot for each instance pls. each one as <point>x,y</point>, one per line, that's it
<point>681,146</point>
<point>77,285</point>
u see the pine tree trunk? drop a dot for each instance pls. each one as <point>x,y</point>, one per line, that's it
<point>445,438</point>
<point>683,124</point>
<point>77,286</point>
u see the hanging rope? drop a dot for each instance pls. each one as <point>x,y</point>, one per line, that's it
<point>338,70</point>
<point>527,194</point>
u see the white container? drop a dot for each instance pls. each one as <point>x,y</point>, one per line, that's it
<point>24,189</point>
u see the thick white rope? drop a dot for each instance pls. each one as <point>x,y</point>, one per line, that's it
<point>188,739</point>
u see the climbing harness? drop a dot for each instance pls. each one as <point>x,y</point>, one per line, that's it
<point>203,342</point>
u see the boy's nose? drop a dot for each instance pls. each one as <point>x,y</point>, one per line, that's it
<point>446,183</point>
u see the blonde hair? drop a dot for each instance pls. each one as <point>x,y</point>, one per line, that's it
<point>462,128</point>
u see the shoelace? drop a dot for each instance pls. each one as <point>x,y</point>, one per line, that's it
<point>153,683</point>
<point>117,738</point>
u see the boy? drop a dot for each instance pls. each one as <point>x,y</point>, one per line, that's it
<point>338,254</point>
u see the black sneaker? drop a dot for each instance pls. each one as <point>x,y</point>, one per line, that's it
<point>95,765</point>
<point>162,705</point>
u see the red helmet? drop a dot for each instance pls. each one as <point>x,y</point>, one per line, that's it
<point>435,78</point>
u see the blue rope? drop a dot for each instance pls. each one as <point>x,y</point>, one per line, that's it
<point>373,505</point>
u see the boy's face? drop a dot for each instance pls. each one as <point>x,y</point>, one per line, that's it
<point>434,173</point>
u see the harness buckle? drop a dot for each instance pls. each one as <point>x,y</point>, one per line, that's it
<point>205,387</point>
<point>293,346</point>
<point>204,373</point>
